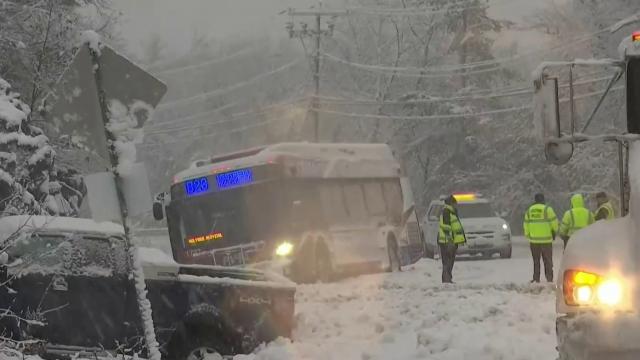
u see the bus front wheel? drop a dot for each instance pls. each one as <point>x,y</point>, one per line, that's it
<point>323,268</point>
<point>394,255</point>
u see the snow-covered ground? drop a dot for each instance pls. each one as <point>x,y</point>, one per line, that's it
<point>492,312</point>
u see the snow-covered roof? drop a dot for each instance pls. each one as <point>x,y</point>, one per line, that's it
<point>326,159</point>
<point>28,223</point>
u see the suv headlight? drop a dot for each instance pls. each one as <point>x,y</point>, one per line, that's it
<point>581,288</point>
<point>505,227</point>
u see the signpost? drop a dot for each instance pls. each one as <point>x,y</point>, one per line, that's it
<point>82,106</point>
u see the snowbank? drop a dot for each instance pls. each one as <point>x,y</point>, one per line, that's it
<point>490,313</point>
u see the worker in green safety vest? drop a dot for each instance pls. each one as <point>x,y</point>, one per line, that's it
<point>574,219</point>
<point>605,210</point>
<point>540,227</point>
<point>450,236</point>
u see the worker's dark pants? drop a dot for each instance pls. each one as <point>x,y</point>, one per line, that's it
<point>546,252</point>
<point>448,255</point>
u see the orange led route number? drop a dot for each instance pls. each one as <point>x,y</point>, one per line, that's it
<point>197,240</point>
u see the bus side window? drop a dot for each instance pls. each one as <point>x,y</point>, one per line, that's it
<point>374,198</point>
<point>434,213</point>
<point>334,203</point>
<point>355,201</point>
<point>393,196</point>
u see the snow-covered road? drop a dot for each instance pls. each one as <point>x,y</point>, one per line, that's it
<point>492,312</point>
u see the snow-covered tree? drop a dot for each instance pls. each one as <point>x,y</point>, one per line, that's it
<point>29,181</point>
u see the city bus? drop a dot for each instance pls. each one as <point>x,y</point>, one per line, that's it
<point>322,209</point>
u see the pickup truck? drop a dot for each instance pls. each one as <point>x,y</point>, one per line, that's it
<point>67,290</point>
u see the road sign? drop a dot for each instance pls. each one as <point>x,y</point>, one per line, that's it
<point>74,107</point>
<point>103,96</point>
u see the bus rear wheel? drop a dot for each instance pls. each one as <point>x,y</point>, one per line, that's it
<point>394,255</point>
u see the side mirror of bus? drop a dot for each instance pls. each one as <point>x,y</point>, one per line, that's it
<point>407,214</point>
<point>158,210</point>
<point>159,203</point>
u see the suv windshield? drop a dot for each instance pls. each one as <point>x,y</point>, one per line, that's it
<point>66,254</point>
<point>475,210</point>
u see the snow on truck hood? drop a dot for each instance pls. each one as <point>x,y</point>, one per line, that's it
<point>156,262</point>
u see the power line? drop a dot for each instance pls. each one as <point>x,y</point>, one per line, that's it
<point>191,138</point>
<point>233,117</point>
<point>510,92</point>
<point>426,117</point>
<point>218,92</point>
<point>195,116</point>
<point>441,71</point>
<point>418,11</point>
<point>419,140</point>
<point>399,71</point>
<point>458,116</point>
<point>206,63</point>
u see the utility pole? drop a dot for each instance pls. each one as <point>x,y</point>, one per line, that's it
<point>317,33</point>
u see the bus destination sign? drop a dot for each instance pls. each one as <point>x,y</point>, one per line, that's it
<point>234,178</point>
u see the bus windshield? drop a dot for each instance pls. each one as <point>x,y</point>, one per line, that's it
<point>228,218</point>
<point>475,210</point>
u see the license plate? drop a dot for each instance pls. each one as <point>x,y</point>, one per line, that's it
<point>480,246</point>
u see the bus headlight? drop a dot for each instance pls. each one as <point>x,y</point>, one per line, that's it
<point>583,288</point>
<point>284,249</point>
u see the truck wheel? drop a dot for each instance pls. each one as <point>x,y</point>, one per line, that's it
<point>323,268</point>
<point>506,254</point>
<point>204,353</point>
<point>197,343</point>
<point>394,257</point>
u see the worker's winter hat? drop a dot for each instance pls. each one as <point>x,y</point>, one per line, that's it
<point>539,197</point>
<point>450,200</point>
<point>601,195</point>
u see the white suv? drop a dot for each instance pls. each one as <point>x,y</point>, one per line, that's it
<point>487,233</point>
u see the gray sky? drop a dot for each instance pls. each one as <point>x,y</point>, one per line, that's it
<point>176,21</point>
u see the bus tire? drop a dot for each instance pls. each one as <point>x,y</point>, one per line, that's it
<point>394,255</point>
<point>323,264</point>
<point>304,269</point>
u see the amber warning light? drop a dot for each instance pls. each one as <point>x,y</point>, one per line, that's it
<point>197,240</point>
<point>635,36</point>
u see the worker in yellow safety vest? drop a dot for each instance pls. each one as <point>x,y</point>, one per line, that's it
<point>540,227</point>
<point>605,210</point>
<point>450,236</point>
<point>574,219</point>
